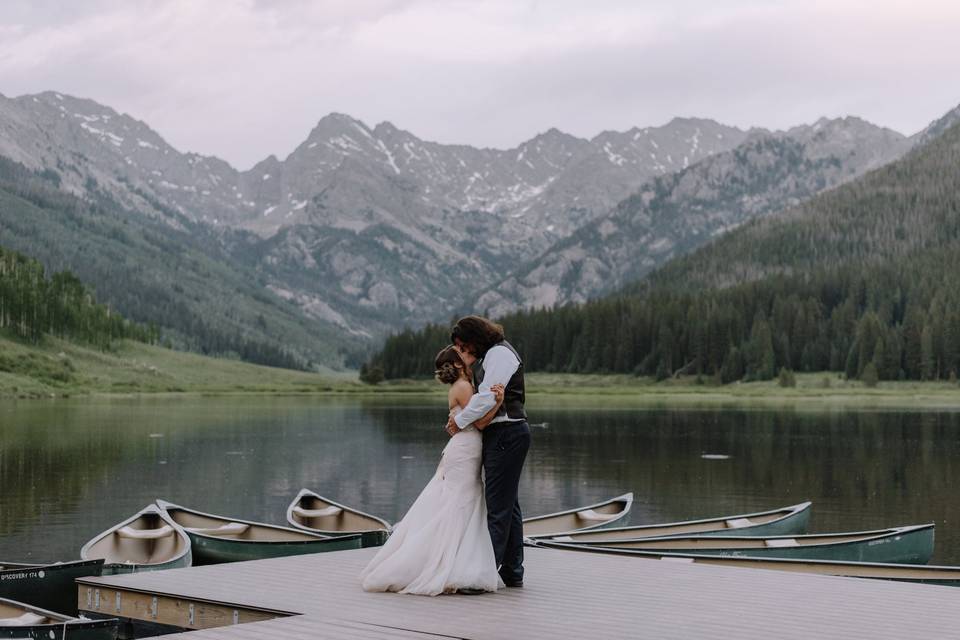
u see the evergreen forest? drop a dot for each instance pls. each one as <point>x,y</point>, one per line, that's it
<point>33,305</point>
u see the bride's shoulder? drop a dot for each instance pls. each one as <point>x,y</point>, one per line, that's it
<point>462,386</point>
<point>460,391</point>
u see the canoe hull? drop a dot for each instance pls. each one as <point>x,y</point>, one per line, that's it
<point>348,522</point>
<point>117,569</point>
<point>789,521</point>
<point>124,550</point>
<point>591,517</point>
<point>86,630</point>
<point>792,525</point>
<point>917,574</point>
<point>912,545</point>
<point>214,550</point>
<point>51,625</point>
<point>48,586</point>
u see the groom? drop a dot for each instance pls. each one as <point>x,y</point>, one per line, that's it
<point>505,440</point>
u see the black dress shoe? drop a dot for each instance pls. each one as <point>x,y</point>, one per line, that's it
<point>514,583</point>
<point>470,592</point>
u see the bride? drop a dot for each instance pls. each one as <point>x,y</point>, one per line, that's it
<point>442,545</point>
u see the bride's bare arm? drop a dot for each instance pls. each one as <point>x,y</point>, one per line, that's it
<point>482,423</point>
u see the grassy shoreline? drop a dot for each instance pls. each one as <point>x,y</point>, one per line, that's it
<point>58,369</point>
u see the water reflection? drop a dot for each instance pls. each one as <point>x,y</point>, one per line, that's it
<point>70,469</point>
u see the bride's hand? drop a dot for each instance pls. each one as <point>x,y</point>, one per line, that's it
<point>497,391</point>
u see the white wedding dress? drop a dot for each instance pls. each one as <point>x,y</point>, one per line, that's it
<point>443,543</point>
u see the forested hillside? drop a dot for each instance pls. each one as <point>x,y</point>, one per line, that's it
<point>33,305</point>
<point>864,279</point>
<point>168,273</point>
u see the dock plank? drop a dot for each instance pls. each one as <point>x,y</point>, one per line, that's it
<point>309,627</point>
<point>567,595</point>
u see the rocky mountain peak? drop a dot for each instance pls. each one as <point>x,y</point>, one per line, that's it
<point>937,127</point>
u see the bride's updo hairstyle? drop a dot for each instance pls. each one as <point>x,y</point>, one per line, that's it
<point>449,366</point>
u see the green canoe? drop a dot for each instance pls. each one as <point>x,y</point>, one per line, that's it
<point>48,585</point>
<point>909,545</point>
<point>312,512</point>
<point>786,521</point>
<point>19,620</point>
<point>591,516</point>
<point>920,574</point>
<point>147,541</point>
<point>216,539</point>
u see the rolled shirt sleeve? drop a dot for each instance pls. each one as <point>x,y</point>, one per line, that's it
<point>499,365</point>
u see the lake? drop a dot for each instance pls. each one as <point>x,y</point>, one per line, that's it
<point>71,468</point>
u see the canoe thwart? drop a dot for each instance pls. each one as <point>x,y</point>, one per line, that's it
<point>781,542</point>
<point>229,529</point>
<point>317,513</point>
<point>737,523</point>
<point>590,514</point>
<point>28,619</point>
<point>145,534</point>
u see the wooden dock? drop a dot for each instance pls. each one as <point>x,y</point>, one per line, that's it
<point>567,595</point>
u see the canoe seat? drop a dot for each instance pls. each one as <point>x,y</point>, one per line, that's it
<point>562,538</point>
<point>781,542</point>
<point>739,523</point>
<point>590,514</point>
<point>26,620</point>
<point>229,529</point>
<point>317,513</point>
<point>145,534</point>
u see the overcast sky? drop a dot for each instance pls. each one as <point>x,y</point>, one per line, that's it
<point>242,79</point>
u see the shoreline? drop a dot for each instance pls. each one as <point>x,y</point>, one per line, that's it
<point>61,370</point>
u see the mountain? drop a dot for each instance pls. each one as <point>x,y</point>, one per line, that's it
<point>363,229</point>
<point>906,208</point>
<point>862,279</point>
<point>360,227</point>
<point>166,271</point>
<point>675,213</point>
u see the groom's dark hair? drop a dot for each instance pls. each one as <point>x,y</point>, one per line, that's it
<point>479,333</point>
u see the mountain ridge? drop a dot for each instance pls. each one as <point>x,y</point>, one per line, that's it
<point>862,279</point>
<point>371,228</point>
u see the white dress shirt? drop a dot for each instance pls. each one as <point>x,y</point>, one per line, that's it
<point>499,365</point>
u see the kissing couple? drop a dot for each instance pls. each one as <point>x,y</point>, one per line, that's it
<point>464,533</point>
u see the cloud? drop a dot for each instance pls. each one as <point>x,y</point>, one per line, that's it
<point>243,79</point>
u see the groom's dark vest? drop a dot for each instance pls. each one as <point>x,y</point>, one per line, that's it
<point>514,394</point>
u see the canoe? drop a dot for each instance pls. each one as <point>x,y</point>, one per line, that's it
<point>147,541</point>
<point>584,518</point>
<point>216,539</point>
<point>314,513</point>
<point>915,573</point>
<point>47,585</point>
<point>910,545</point>
<point>19,620</point>
<point>786,521</point>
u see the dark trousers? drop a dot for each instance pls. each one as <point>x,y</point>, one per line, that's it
<point>505,448</point>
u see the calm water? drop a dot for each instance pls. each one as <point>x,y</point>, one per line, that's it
<point>69,469</point>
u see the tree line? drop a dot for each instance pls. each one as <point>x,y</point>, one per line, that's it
<point>904,319</point>
<point>33,305</point>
